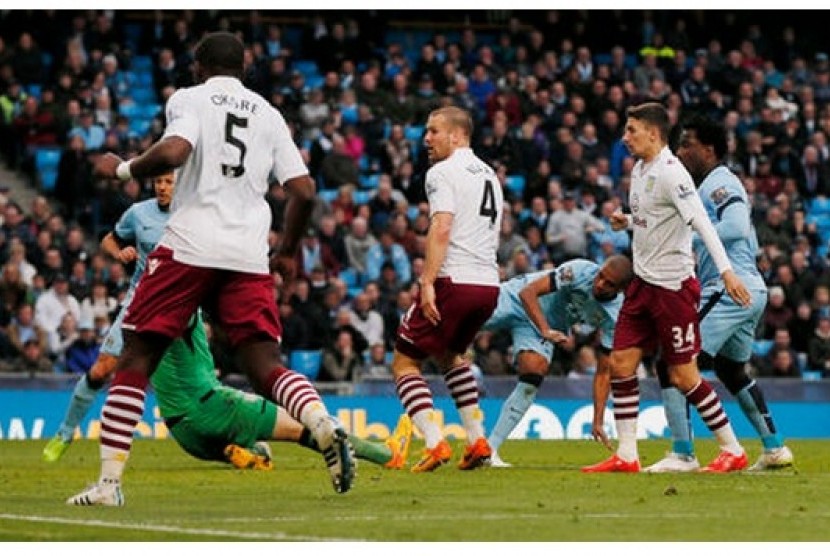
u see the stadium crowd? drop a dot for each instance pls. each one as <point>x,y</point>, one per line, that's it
<point>548,92</point>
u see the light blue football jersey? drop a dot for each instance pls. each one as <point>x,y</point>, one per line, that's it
<point>141,225</point>
<point>727,206</point>
<point>572,303</point>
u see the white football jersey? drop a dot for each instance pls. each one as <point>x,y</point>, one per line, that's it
<point>465,186</point>
<point>219,216</point>
<point>663,201</point>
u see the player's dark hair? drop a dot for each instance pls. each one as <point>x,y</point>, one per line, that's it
<point>652,113</point>
<point>221,53</point>
<point>709,132</point>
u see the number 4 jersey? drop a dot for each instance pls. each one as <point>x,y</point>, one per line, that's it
<point>468,188</point>
<point>220,218</point>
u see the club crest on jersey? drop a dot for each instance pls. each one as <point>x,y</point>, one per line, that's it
<point>650,184</point>
<point>719,195</point>
<point>566,275</point>
<point>684,191</point>
<point>152,265</point>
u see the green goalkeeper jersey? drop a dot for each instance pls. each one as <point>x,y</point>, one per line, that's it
<point>185,373</point>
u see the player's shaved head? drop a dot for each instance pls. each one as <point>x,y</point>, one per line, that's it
<point>613,277</point>
<point>621,266</point>
<point>221,53</point>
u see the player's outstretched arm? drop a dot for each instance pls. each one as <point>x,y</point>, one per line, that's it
<point>162,157</point>
<point>530,300</point>
<point>601,390</point>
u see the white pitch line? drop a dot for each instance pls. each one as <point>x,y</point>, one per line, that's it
<point>172,529</point>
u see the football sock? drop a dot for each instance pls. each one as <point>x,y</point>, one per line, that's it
<point>464,390</point>
<point>295,393</point>
<point>733,375</point>
<point>83,395</point>
<point>120,415</point>
<point>363,449</point>
<point>416,399</point>
<point>513,410</point>
<point>708,405</point>
<point>677,416</point>
<point>752,402</point>
<point>625,397</point>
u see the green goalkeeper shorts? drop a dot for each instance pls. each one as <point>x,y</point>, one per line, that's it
<point>225,416</point>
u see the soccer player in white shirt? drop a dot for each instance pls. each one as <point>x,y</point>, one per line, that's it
<point>660,307</point>
<point>458,288</point>
<point>228,144</point>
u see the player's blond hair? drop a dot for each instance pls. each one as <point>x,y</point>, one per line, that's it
<point>456,117</point>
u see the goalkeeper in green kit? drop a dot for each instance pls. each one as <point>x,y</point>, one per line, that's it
<point>226,424</point>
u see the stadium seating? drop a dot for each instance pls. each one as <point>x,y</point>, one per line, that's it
<point>361,197</point>
<point>810,375</point>
<point>47,160</point>
<point>306,67</point>
<point>515,184</point>
<point>327,195</point>
<point>370,182</point>
<point>306,362</point>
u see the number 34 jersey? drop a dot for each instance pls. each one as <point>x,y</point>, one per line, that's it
<point>220,218</point>
<point>465,186</point>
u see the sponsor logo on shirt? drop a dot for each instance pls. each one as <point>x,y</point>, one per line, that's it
<point>641,222</point>
<point>650,184</point>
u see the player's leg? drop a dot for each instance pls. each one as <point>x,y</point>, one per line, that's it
<point>247,311</point>
<point>391,453</point>
<point>465,308</point>
<point>416,398</point>
<point>83,396</point>
<point>700,394</point>
<point>730,367</point>
<point>682,456</point>
<point>633,336</point>
<point>532,360</point>
<point>121,413</point>
<point>163,304</point>
<point>751,400</point>
<point>625,399</point>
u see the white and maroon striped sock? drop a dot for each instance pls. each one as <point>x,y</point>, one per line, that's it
<point>708,405</point>
<point>464,390</point>
<point>121,413</point>
<point>416,398</point>
<point>625,397</point>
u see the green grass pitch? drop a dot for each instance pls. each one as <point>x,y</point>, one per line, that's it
<point>172,497</point>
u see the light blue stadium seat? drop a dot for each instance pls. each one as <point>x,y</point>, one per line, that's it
<point>306,67</point>
<point>412,212</point>
<point>414,133</point>
<point>819,206</point>
<point>143,95</point>
<point>140,126</point>
<point>516,184</point>
<point>48,177</point>
<point>129,109</point>
<point>361,197</point>
<point>306,362</point>
<point>314,81</point>
<point>811,375</point>
<point>143,78</point>
<point>47,158</point>
<point>141,63</point>
<point>327,195</point>
<point>761,347</point>
<point>370,182</point>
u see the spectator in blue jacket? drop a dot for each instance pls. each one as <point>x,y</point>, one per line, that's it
<point>83,352</point>
<point>387,250</point>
